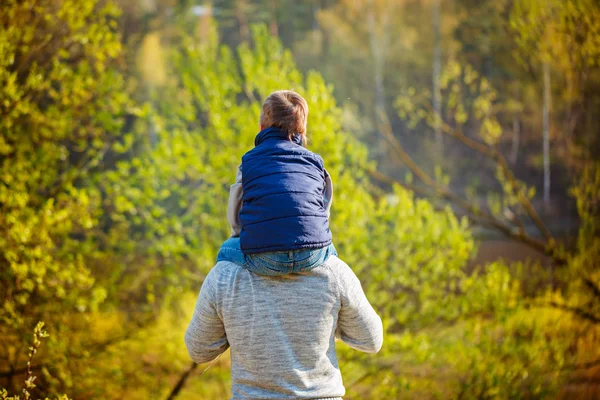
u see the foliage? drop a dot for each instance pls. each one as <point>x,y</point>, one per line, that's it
<point>62,109</point>
<point>471,103</point>
<point>564,35</point>
<point>582,293</point>
<point>38,334</point>
<point>113,211</point>
<point>540,349</point>
<point>562,32</point>
<point>57,104</point>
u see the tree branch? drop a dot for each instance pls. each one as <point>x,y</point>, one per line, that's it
<point>186,374</point>
<point>181,382</point>
<point>473,211</point>
<point>587,365</point>
<point>592,286</point>
<point>496,156</point>
<point>11,373</point>
<point>577,311</point>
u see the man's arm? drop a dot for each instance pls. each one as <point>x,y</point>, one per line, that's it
<point>359,326</point>
<point>235,205</point>
<point>205,337</point>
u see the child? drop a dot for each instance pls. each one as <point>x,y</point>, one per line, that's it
<point>279,205</point>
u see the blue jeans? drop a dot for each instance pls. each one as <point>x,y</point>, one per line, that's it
<point>275,263</point>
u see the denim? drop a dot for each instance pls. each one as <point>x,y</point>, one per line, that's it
<point>275,263</point>
<point>231,251</point>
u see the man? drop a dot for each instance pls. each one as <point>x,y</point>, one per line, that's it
<point>282,329</point>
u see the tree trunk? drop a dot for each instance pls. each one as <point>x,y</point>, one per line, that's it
<point>569,113</point>
<point>182,380</point>
<point>516,139</point>
<point>273,27</point>
<point>546,133</point>
<point>378,53</point>
<point>325,41</point>
<point>437,67</point>
<point>240,15</point>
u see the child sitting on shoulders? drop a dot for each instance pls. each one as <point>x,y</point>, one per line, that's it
<point>279,205</point>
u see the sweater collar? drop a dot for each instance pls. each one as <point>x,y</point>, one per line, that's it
<point>277,133</point>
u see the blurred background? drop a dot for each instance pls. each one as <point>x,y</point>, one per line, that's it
<point>461,135</point>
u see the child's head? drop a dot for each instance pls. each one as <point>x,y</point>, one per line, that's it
<point>287,110</point>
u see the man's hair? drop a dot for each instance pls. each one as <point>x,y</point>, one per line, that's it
<point>287,110</point>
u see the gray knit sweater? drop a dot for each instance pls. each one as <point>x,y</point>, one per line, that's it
<point>282,330</point>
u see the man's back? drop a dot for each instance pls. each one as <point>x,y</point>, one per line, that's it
<point>282,329</point>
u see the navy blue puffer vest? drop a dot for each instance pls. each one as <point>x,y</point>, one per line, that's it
<point>283,207</point>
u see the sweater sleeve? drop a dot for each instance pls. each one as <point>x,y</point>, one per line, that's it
<point>328,193</point>
<point>205,337</point>
<point>235,205</point>
<point>359,326</point>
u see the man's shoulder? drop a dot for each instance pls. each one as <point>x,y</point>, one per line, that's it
<point>226,272</point>
<point>223,268</point>
<point>221,272</point>
<point>341,273</point>
<point>337,267</point>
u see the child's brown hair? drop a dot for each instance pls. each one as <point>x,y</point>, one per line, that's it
<point>287,110</point>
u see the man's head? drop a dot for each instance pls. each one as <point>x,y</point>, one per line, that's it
<point>287,110</point>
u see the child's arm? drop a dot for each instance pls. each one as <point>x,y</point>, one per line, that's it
<point>328,193</point>
<point>235,205</point>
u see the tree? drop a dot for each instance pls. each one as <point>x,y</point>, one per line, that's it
<point>505,212</point>
<point>546,132</point>
<point>38,334</point>
<point>371,41</point>
<point>540,12</point>
<point>559,36</point>
<point>437,69</point>
<point>62,108</point>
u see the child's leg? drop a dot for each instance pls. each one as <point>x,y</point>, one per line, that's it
<point>288,262</point>
<point>332,250</point>
<point>305,260</point>
<point>270,264</point>
<point>231,251</point>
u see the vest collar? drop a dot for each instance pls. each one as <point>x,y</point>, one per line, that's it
<point>277,133</point>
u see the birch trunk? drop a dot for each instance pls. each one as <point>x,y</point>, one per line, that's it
<point>546,133</point>
<point>240,15</point>
<point>516,127</point>
<point>437,67</point>
<point>273,27</point>
<point>377,52</point>
<point>516,140</point>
